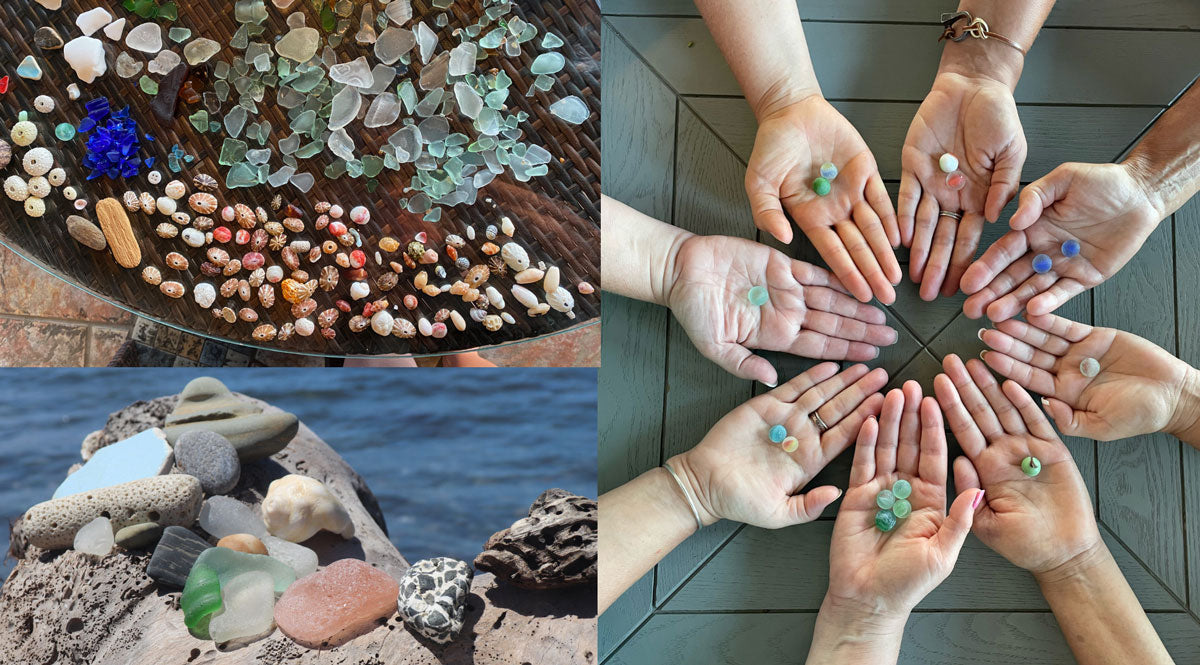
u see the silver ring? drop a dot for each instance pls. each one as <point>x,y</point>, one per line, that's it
<point>947,213</point>
<point>816,419</point>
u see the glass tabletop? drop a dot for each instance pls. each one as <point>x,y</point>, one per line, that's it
<point>554,217</point>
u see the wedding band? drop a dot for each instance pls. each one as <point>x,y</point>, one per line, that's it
<point>947,213</point>
<point>816,419</point>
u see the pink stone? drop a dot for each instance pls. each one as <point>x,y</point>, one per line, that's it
<point>333,606</point>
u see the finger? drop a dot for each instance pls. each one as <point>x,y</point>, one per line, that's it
<point>863,468</point>
<point>847,400</point>
<point>1034,336</point>
<point>953,532</point>
<point>939,258</point>
<point>965,475</point>
<point>924,225</point>
<point>1017,273</point>
<point>966,432</point>
<point>1017,350</point>
<point>739,361</point>
<point>1004,252</point>
<point>804,508</point>
<point>889,432</point>
<point>833,251</point>
<point>965,243</point>
<point>1038,380</point>
<point>869,224</point>
<point>811,344</point>
<point>847,328</point>
<point>864,260</point>
<point>932,464</point>
<point>1011,304</point>
<point>972,398</point>
<point>827,300</point>
<point>791,391</point>
<point>1034,419</point>
<point>1065,328</point>
<point>906,205</point>
<point>1054,297</point>
<point>838,437</point>
<point>1039,195</point>
<point>824,390</point>
<point>810,275</point>
<point>908,450</point>
<point>1005,412</point>
<point>1006,178</point>
<point>877,196</point>
<point>766,209</point>
<point>1071,422</point>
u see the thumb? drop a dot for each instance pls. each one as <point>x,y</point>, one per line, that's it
<point>768,213</point>
<point>957,524</point>
<point>1006,178</point>
<point>809,506</point>
<point>1069,421</point>
<point>738,360</point>
<point>1039,195</point>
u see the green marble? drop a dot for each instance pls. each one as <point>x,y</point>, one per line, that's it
<point>758,296</point>
<point>821,186</point>
<point>902,489</point>
<point>885,499</point>
<point>902,508</point>
<point>1031,466</point>
<point>885,521</point>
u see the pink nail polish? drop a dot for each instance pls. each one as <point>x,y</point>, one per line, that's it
<point>978,498</point>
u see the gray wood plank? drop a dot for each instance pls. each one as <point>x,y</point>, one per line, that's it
<point>1140,493</point>
<point>757,571</point>
<point>926,319</point>
<point>1154,14</point>
<point>1187,288</point>
<point>709,199</point>
<point>1055,134</point>
<point>897,62</point>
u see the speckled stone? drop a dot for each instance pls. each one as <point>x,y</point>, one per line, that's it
<point>209,457</point>
<point>433,597</point>
<point>139,536</point>
<point>174,556</point>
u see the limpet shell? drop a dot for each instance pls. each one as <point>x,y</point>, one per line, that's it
<point>264,333</point>
<point>203,223</point>
<point>359,323</point>
<point>286,331</point>
<point>455,241</point>
<point>166,230</point>
<point>274,274</point>
<point>172,289</point>
<point>149,204</point>
<point>327,318</point>
<point>305,327</point>
<point>205,183</point>
<point>245,216</point>
<point>152,275</point>
<point>203,203</point>
<point>515,256</point>
<point>131,201</point>
<point>181,218</point>
<point>38,161</point>
<point>175,189</point>
<point>193,237</point>
<point>228,288</point>
<point>304,308</point>
<point>404,329</point>
<point>266,295</point>
<point>166,205</point>
<point>177,261</point>
<point>248,315</point>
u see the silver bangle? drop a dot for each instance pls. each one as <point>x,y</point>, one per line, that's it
<point>686,495</point>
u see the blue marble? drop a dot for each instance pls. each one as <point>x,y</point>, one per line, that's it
<point>1042,263</point>
<point>778,433</point>
<point>1070,248</point>
<point>829,171</point>
<point>142,455</point>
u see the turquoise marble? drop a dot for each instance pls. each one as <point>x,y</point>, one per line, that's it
<point>778,433</point>
<point>902,489</point>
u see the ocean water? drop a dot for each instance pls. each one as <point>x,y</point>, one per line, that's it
<point>453,455</point>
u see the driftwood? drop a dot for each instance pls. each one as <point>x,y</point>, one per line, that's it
<point>68,607</point>
<point>553,548</point>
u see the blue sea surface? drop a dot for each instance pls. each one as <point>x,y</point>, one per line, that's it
<point>453,455</point>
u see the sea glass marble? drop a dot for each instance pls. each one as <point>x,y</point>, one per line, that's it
<point>885,499</point>
<point>948,163</point>
<point>885,521</point>
<point>790,444</point>
<point>902,508</point>
<point>777,434</point>
<point>821,186</point>
<point>1089,367</point>
<point>758,296</point>
<point>901,489</point>
<point>956,180</point>
<point>829,171</point>
<point>1042,263</point>
<point>1031,466</point>
<point>1070,248</point>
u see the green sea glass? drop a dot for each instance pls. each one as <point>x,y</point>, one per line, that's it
<point>201,599</point>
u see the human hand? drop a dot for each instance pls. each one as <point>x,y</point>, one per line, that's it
<point>854,226</point>
<point>891,572</point>
<point>808,314</point>
<point>1038,523</point>
<point>1103,206</point>
<point>736,472</point>
<point>1137,391</point>
<point>975,119</point>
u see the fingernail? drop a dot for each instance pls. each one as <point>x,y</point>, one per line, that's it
<point>982,354</point>
<point>979,333</point>
<point>978,498</point>
<point>1045,403</point>
<point>870,417</point>
<point>769,385</point>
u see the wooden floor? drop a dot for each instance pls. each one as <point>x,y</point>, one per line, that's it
<point>676,138</point>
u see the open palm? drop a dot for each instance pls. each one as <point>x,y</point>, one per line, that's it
<point>808,314</point>
<point>1103,206</point>
<point>1136,391</point>
<point>854,226</point>
<point>975,120</point>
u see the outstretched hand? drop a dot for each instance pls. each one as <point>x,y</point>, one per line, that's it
<point>809,313</point>
<point>1103,206</point>
<point>854,226</point>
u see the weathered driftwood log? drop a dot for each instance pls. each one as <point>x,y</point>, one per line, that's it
<point>68,607</point>
<point>553,548</point>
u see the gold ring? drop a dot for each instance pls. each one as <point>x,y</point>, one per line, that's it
<point>947,213</point>
<point>816,419</point>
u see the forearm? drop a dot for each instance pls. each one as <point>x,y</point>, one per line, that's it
<point>855,636</point>
<point>1185,421</point>
<point>1167,160</point>
<point>638,252</point>
<point>1018,21</point>
<point>763,42</point>
<point>1098,612</point>
<point>640,522</point>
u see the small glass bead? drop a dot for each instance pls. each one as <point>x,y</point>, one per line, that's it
<point>948,163</point>
<point>1070,248</point>
<point>1089,367</point>
<point>956,180</point>
<point>902,508</point>
<point>1042,263</point>
<point>885,521</point>
<point>790,444</point>
<point>778,433</point>
<point>65,131</point>
<point>821,186</point>
<point>902,489</point>
<point>885,499</point>
<point>829,171</point>
<point>1031,466</point>
<point>758,296</point>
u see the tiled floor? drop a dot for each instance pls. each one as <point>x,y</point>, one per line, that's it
<point>46,322</point>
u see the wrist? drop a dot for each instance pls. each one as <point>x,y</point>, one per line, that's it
<point>1185,419</point>
<point>782,95</point>
<point>1142,172</point>
<point>863,618</point>
<point>1079,568</point>
<point>979,59</point>
<point>693,482</point>
<point>671,267</point>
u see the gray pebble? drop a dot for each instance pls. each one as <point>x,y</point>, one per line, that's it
<point>209,457</point>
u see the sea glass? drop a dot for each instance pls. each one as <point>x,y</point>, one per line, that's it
<point>571,109</point>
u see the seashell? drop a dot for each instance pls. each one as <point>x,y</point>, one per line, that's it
<point>561,300</point>
<point>342,259</point>
<point>148,203</point>
<point>404,329</point>
<point>396,267</point>
<point>172,289</point>
<point>38,161</point>
<point>458,288</point>
<point>248,315</point>
<point>491,232</point>
<point>301,246</point>
<point>314,255</point>
<point>490,248</point>
<point>277,243</point>
<point>175,189</point>
<point>472,295</point>
<point>421,280</point>
<point>347,239</point>
<point>415,250</point>
<point>360,290</point>
<point>204,294</point>
<point>477,275</point>
<point>289,258</point>
<point>359,323</point>
<point>493,322</point>
<point>243,290</point>
<point>274,228</point>
<point>329,278</point>
<point>203,203</point>
<point>507,227</point>
<point>293,224</point>
<point>260,214</point>
<point>457,319</point>
<point>586,288</point>
<point>218,256</point>
<point>429,257</point>
<point>5,154</point>
<point>441,316</point>
<point>360,215</point>
<point>259,240</point>
<point>439,330</point>
<point>226,313</point>
<point>257,277</point>
<point>455,241</point>
<point>154,177</point>
<point>39,187</point>
<point>131,201</point>
<point>181,218</point>
<point>203,223</point>
<point>323,207</point>
<point>358,258</point>
<point>410,301</point>
<point>321,222</point>
<point>300,276</point>
<point>494,296</point>
<point>508,318</point>
<point>244,215</point>
<point>228,288</point>
<point>264,333</point>
<point>389,244</point>
<point>304,308</point>
<point>515,256</point>
<point>24,133</point>
<point>433,289</point>
<point>336,212</point>
<point>253,261</point>
<point>452,253</point>
<point>328,317</point>
<point>266,296</point>
<point>540,310</point>
<point>16,188</point>
<point>478,315</point>
<point>43,103</point>
<point>193,237</point>
<point>294,291</point>
<point>552,277</point>
<point>35,207</point>
<point>70,193</point>
<point>205,183</point>
<point>177,261</point>
<point>305,327</point>
<point>166,205</point>
<point>57,177</point>
<point>274,274</point>
<point>387,281</point>
<point>424,327</point>
<point>208,269</point>
<point>524,296</point>
<point>166,230</point>
<point>528,276</point>
<point>151,276</point>
<point>286,331</point>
